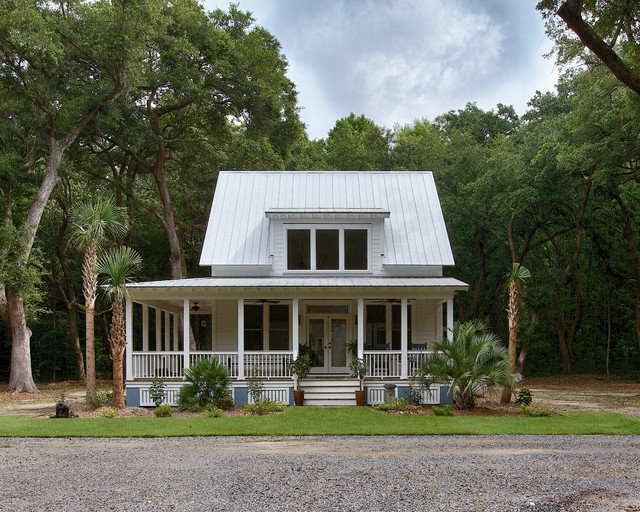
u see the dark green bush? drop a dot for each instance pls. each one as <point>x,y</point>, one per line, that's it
<point>163,411</point>
<point>207,385</point>
<point>445,410</point>
<point>524,396</point>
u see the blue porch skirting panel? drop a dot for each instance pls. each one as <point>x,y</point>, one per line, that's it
<point>133,397</point>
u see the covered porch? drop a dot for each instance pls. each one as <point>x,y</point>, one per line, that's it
<point>256,326</point>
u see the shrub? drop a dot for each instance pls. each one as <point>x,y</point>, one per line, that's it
<point>397,404</point>
<point>524,396</point>
<point>210,411</point>
<point>537,412</point>
<point>415,394</point>
<point>473,360</point>
<point>256,388</point>
<point>163,411</point>
<point>101,399</point>
<point>264,406</point>
<point>207,384</point>
<point>445,410</point>
<point>157,391</point>
<point>109,412</point>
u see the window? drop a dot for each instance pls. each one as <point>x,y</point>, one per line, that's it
<point>255,327</point>
<point>298,249</point>
<point>328,248</point>
<point>382,328</point>
<point>279,327</point>
<point>376,330</point>
<point>355,249</point>
<point>395,326</point>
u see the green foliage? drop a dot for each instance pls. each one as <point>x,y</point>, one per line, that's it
<point>301,366</point>
<point>472,360</point>
<point>119,266</point>
<point>358,368</point>
<point>109,412</point>
<point>537,412</point>
<point>157,391</point>
<point>264,406</point>
<point>101,399</point>
<point>256,388</point>
<point>415,393</point>
<point>356,143</point>
<point>163,411</point>
<point>445,410</point>
<point>207,384</point>
<point>525,397</point>
<point>397,404</point>
<point>211,411</point>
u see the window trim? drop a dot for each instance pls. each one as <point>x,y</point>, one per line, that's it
<point>341,247</point>
<point>266,325</point>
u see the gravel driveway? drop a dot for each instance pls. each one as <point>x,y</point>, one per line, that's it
<point>464,473</point>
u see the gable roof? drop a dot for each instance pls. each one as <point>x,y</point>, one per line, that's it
<point>238,229</point>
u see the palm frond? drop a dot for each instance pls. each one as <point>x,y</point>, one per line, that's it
<point>118,266</point>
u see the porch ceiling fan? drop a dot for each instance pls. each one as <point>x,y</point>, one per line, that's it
<point>195,307</point>
<point>388,301</point>
<point>264,301</point>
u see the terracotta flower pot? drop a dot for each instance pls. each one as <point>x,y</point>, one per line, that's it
<point>298,397</point>
<point>360,398</point>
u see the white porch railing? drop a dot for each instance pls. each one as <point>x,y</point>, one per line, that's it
<point>228,359</point>
<point>263,365</point>
<point>164,365</point>
<point>385,363</point>
<point>267,365</point>
<point>415,360</point>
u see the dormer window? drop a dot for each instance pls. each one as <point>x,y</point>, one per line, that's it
<point>328,248</point>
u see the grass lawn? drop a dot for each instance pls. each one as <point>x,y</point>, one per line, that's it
<point>301,421</point>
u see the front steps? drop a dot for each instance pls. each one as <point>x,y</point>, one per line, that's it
<point>329,391</point>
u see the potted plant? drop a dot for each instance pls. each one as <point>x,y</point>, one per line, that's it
<point>300,368</point>
<point>359,369</point>
<point>352,348</point>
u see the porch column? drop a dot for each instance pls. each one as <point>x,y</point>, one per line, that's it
<point>450,319</point>
<point>439,321</point>
<point>240,339</point>
<point>145,328</point>
<point>404,340</point>
<point>158,329</point>
<point>176,333</point>
<point>360,328</point>
<point>186,328</point>
<point>295,327</point>
<point>129,337</point>
<point>167,331</point>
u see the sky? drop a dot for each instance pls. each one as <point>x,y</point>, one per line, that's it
<point>396,61</point>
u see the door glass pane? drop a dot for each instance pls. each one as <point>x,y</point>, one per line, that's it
<point>316,341</point>
<point>327,257</point>
<point>355,249</point>
<point>338,342</point>
<point>298,249</point>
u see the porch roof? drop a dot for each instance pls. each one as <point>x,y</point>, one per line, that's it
<point>295,287</point>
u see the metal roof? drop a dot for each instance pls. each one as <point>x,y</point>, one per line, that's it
<point>238,229</point>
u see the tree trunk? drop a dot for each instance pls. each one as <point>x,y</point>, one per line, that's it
<point>118,343</point>
<point>513,314</point>
<point>90,287</point>
<point>21,378</point>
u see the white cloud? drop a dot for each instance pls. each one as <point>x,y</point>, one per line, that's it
<point>398,60</point>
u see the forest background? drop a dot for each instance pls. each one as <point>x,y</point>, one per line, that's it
<point>147,101</point>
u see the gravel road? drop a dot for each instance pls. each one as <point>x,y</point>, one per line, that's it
<point>463,473</point>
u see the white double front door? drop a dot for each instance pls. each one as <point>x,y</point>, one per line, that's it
<point>328,343</point>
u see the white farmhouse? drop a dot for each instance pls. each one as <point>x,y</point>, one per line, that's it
<point>334,264</point>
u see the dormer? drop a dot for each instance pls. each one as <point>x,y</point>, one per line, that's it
<point>327,241</point>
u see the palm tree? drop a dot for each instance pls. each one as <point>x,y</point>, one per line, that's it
<point>92,224</point>
<point>515,279</point>
<point>118,265</point>
<point>471,361</point>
